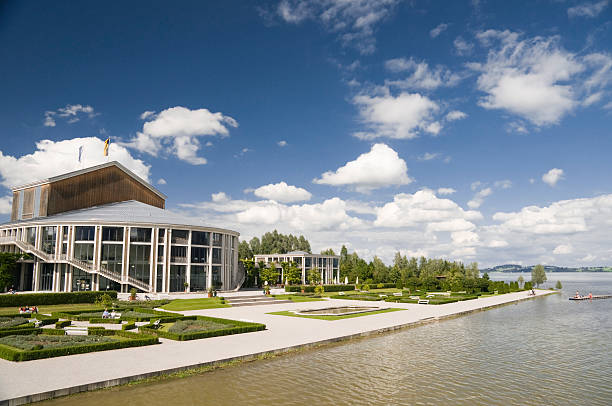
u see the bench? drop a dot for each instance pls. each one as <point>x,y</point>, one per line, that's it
<point>75,331</point>
<point>423,301</point>
<point>383,296</point>
<point>415,297</point>
<point>341,293</point>
<point>399,294</point>
<point>156,324</point>
<point>37,323</point>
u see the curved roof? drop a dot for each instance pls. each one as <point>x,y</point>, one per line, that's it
<point>131,211</point>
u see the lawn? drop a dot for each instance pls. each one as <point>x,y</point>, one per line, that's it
<point>298,298</point>
<point>195,304</point>
<point>191,326</point>
<point>48,309</point>
<point>332,318</point>
<point>40,341</point>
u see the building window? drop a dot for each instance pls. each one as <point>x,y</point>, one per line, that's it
<point>308,262</point>
<point>31,235</point>
<point>46,277</point>
<point>216,276</point>
<point>200,238</point>
<point>216,255</point>
<point>335,262</point>
<point>107,284</point>
<point>160,253</point>
<point>217,239</point>
<point>198,278</point>
<point>82,233</point>
<point>159,278</point>
<point>140,234</point>
<point>81,280</point>
<point>177,278</point>
<point>63,271</point>
<point>161,235</point>
<point>84,252</point>
<point>139,262</point>
<point>178,254</point>
<point>65,233</point>
<point>180,237</point>
<point>48,239</point>
<point>199,255</point>
<point>112,257</point>
<point>112,234</point>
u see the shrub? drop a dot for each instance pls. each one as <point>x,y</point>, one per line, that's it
<point>131,325</point>
<point>63,323</point>
<point>37,299</point>
<point>558,286</point>
<point>319,290</point>
<point>231,327</point>
<point>399,285</point>
<point>328,288</point>
<point>365,287</point>
<point>133,292</point>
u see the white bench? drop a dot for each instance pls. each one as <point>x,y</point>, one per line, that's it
<point>75,331</point>
<point>382,296</point>
<point>399,294</point>
<point>415,297</point>
<point>341,293</point>
<point>423,301</point>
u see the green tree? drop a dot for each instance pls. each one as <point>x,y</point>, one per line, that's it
<point>255,246</point>
<point>380,272</point>
<point>521,281</point>
<point>269,274</point>
<point>314,276</point>
<point>8,265</point>
<point>252,272</point>
<point>538,275</point>
<point>328,251</point>
<point>472,271</point>
<point>558,286</point>
<point>244,250</point>
<point>293,274</point>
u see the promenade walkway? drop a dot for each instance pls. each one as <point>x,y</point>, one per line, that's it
<point>22,382</point>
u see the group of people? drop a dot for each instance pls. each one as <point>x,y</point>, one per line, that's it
<point>28,309</point>
<point>577,295</point>
<point>107,315</point>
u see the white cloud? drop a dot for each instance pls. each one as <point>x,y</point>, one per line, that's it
<point>497,244</point>
<point>6,204</point>
<point>147,114</point>
<point>536,79</point>
<point>53,158</point>
<point>220,197</point>
<point>420,75</point>
<point>176,131</point>
<point>71,113</point>
<point>282,143</point>
<point>428,156</point>
<point>400,117</point>
<point>462,47</point>
<point>353,21</point>
<point>503,184</point>
<point>283,193</point>
<point>455,115</point>
<point>161,181</point>
<point>563,249</point>
<point>438,30</point>
<point>446,191</point>
<point>378,168</point>
<point>553,176</point>
<point>589,10</point>
<point>479,197</point>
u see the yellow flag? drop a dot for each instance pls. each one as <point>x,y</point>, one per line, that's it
<point>106,145</point>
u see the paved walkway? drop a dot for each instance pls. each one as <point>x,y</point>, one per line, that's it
<point>41,379</point>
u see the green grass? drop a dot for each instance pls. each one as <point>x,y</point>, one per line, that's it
<point>195,304</point>
<point>298,298</point>
<point>8,322</point>
<point>34,342</point>
<point>48,309</point>
<point>331,318</point>
<point>190,326</point>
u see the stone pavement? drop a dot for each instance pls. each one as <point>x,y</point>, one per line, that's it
<point>23,382</point>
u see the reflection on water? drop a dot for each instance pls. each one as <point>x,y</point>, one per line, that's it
<point>546,351</point>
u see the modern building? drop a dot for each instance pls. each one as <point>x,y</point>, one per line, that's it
<point>104,228</point>
<point>327,264</point>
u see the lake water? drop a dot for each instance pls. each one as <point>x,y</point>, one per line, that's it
<point>546,351</point>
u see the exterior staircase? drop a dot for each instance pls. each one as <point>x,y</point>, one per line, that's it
<point>258,300</point>
<point>64,259</point>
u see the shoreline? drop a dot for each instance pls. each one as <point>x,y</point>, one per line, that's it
<point>242,348</point>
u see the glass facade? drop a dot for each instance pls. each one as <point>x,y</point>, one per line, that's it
<point>49,235</point>
<point>31,235</point>
<point>107,284</point>
<point>198,278</point>
<point>199,255</point>
<point>112,234</point>
<point>140,265</point>
<point>217,239</point>
<point>84,252</point>
<point>216,276</point>
<point>178,254</point>
<point>81,280</point>
<point>140,234</point>
<point>180,237</point>
<point>177,278</point>
<point>200,238</point>
<point>112,257</point>
<point>87,233</point>
<point>46,277</point>
<point>159,278</point>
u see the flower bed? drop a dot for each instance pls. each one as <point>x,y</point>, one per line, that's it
<point>47,344</point>
<point>196,327</point>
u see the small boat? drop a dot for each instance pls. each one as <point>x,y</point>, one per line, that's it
<point>590,298</point>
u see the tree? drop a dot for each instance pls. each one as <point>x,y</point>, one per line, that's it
<point>8,265</point>
<point>538,275</point>
<point>269,274</point>
<point>244,250</point>
<point>472,272</point>
<point>314,276</point>
<point>293,274</point>
<point>380,272</point>
<point>251,272</point>
<point>558,286</point>
<point>328,251</point>
<point>521,281</point>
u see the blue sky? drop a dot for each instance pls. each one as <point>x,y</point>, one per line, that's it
<point>471,130</point>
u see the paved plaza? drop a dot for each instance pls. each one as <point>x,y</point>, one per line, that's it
<point>41,379</point>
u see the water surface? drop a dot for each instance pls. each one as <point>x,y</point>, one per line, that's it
<point>545,351</point>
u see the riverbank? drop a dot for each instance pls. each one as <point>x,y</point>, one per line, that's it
<point>44,379</point>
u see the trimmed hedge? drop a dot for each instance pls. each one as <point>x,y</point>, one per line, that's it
<point>100,320</point>
<point>63,323</point>
<point>37,299</point>
<point>134,340</point>
<point>328,288</point>
<point>234,327</point>
<point>131,325</point>
<point>19,331</point>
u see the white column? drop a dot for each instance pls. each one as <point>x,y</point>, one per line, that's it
<point>188,264</point>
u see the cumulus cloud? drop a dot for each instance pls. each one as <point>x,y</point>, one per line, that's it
<point>176,131</point>
<point>588,10</point>
<point>446,191</point>
<point>400,117</point>
<point>420,75</point>
<point>282,192</point>
<point>354,22</point>
<point>282,143</point>
<point>53,158</point>
<point>479,197</point>
<point>71,113</point>
<point>6,204</point>
<point>440,28</point>
<point>553,176</point>
<point>147,114</point>
<point>428,156</point>
<point>161,181</point>
<point>455,115</point>
<point>563,249</point>
<point>463,47</point>
<point>380,167</point>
